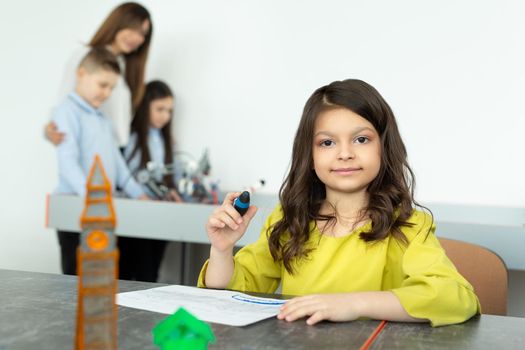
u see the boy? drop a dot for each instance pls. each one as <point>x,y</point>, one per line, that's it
<point>88,132</point>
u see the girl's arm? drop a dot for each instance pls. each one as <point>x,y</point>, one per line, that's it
<point>381,305</point>
<point>220,268</point>
<point>125,179</point>
<point>174,196</point>
<point>225,227</point>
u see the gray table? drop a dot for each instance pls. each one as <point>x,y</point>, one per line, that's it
<point>37,311</point>
<point>484,332</point>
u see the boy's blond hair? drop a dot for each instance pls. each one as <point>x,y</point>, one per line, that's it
<point>99,58</point>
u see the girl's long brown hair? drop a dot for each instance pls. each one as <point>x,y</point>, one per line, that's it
<point>391,193</point>
<point>140,125</point>
<point>128,15</point>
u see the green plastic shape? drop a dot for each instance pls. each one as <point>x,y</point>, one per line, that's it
<point>182,331</point>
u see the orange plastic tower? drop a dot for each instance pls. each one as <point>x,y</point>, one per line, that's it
<point>97,266</point>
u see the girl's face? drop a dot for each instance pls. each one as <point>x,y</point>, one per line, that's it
<point>128,40</point>
<point>160,111</point>
<point>346,151</point>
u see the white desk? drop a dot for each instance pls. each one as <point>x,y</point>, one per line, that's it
<point>497,228</point>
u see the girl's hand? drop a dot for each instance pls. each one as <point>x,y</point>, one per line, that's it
<point>331,307</point>
<point>175,197</point>
<point>52,134</point>
<point>226,226</point>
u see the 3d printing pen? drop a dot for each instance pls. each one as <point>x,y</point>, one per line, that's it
<point>242,203</point>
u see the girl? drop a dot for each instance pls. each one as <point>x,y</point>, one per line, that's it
<point>346,235</point>
<point>127,34</point>
<point>150,141</point>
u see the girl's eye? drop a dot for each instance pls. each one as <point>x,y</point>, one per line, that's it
<point>327,143</point>
<point>361,139</point>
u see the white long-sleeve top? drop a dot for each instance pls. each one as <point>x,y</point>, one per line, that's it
<point>117,107</point>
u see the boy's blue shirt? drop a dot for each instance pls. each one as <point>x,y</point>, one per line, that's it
<point>87,133</point>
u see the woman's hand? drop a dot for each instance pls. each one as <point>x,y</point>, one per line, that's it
<point>226,226</point>
<point>332,307</point>
<point>52,134</point>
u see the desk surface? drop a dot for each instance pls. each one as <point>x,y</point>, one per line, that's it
<point>38,311</point>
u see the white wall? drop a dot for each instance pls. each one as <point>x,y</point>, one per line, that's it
<point>242,70</point>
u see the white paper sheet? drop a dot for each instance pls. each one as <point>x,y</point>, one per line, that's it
<point>217,306</point>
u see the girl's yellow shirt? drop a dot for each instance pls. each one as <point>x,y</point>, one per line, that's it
<point>419,274</point>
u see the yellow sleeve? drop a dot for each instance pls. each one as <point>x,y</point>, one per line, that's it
<point>433,289</point>
<point>254,267</point>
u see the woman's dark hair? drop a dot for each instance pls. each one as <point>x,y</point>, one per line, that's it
<point>128,15</point>
<point>140,126</point>
<point>391,193</point>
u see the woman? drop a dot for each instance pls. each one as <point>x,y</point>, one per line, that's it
<point>127,33</point>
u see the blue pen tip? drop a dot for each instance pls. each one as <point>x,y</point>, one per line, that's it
<point>245,197</point>
<point>242,203</point>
